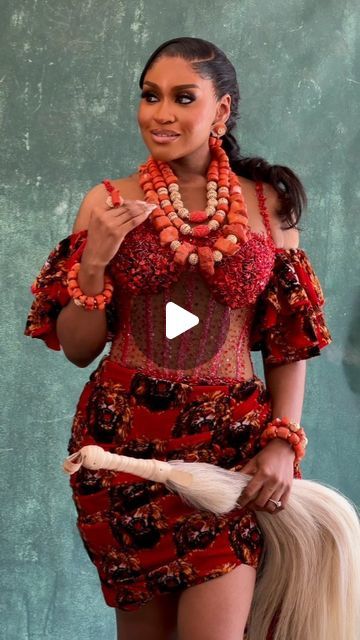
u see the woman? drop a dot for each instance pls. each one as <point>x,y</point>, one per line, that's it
<point>163,565</point>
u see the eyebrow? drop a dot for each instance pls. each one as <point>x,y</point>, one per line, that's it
<point>179,86</point>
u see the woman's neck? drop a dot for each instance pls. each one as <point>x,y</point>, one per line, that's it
<point>192,169</point>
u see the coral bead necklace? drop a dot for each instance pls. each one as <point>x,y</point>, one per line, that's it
<point>225,203</point>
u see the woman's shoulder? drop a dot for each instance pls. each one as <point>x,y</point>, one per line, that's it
<point>129,186</point>
<point>97,194</point>
<point>284,238</point>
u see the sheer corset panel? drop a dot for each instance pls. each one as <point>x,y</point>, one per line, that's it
<point>217,349</point>
<point>146,278</point>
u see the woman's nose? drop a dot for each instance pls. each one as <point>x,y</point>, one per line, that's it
<point>163,112</point>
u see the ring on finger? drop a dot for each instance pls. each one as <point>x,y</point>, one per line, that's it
<point>277,503</point>
<point>109,202</point>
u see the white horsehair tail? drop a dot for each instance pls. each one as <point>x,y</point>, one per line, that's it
<point>199,484</point>
<point>310,566</point>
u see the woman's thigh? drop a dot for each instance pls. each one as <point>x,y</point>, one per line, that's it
<point>218,608</point>
<point>155,620</point>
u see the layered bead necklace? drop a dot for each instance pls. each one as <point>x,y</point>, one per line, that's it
<point>225,208</point>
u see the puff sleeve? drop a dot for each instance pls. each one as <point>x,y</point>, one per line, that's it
<point>289,322</point>
<point>51,295</point>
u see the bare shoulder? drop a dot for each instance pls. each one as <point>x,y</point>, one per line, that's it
<point>129,186</point>
<point>285,238</point>
<point>273,207</point>
<point>97,195</point>
<point>91,199</point>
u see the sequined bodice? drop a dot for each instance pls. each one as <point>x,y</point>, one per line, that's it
<point>142,265</point>
<point>146,277</point>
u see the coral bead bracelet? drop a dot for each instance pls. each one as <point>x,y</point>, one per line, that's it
<point>81,299</point>
<point>290,431</point>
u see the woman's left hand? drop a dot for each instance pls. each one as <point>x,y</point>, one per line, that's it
<point>273,471</point>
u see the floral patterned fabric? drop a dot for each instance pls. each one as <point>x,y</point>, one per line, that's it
<point>144,539</point>
<point>51,294</point>
<point>289,322</point>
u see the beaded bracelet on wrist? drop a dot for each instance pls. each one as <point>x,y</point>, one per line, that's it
<point>288,430</point>
<point>81,299</point>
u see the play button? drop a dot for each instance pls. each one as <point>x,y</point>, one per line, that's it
<point>180,329</point>
<point>178,320</point>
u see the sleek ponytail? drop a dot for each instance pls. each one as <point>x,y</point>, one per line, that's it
<point>286,183</point>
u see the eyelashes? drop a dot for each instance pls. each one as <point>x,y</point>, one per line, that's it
<point>147,94</point>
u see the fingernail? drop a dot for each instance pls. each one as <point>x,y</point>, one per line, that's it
<point>147,204</point>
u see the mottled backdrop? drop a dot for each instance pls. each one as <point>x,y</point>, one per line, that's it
<point>68,99</point>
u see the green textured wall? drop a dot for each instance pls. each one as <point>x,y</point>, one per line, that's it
<point>69,92</point>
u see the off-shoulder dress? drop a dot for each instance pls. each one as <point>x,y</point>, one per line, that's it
<point>196,397</point>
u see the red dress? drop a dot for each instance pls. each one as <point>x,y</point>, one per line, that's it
<point>193,402</point>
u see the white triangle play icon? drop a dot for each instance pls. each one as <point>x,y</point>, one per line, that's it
<point>178,320</point>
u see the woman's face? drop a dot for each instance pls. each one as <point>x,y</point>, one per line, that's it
<point>189,111</point>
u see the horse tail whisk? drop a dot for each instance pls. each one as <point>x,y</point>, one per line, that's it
<point>309,573</point>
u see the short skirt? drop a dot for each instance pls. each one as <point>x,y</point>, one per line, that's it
<point>143,539</point>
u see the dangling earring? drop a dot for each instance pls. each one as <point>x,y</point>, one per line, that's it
<point>218,130</point>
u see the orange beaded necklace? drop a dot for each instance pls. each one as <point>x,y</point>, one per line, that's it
<point>225,202</point>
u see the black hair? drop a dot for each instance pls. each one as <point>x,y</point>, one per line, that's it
<point>211,62</point>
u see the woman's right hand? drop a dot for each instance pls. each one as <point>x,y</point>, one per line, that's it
<point>108,227</point>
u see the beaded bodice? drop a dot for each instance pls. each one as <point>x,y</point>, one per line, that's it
<point>146,277</point>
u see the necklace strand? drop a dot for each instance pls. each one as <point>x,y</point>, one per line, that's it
<point>226,209</point>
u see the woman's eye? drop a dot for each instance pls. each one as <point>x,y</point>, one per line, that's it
<point>148,94</point>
